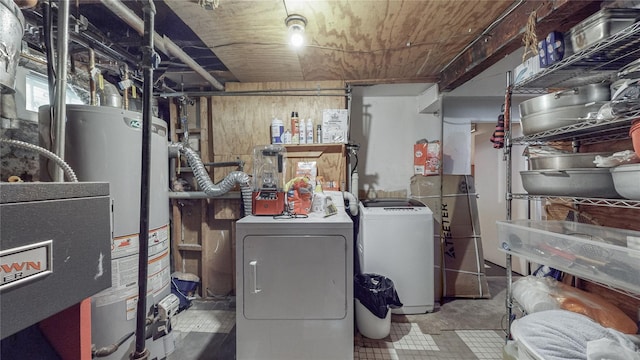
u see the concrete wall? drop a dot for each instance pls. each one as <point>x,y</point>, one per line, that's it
<point>386,127</point>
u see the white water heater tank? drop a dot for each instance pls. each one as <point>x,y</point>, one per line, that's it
<point>105,144</point>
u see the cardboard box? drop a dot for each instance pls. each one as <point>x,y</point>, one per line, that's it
<point>460,276</point>
<point>457,234</point>
<point>426,158</point>
<point>457,209</point>
<point>335,126</point>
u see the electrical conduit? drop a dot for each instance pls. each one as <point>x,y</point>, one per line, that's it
<point>71,175</point>
<point>205,183</point>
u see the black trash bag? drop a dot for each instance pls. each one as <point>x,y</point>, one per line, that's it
<point>377,293</point>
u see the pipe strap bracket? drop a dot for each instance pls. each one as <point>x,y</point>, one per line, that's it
<point>150,58</point>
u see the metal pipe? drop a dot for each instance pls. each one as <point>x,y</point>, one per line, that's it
<point>239,163</point>
<point>47,19</point>
<point>176,51</point>
<point>202,195</point>
<point>274,92</point>
<point>163,44</point>
<point>148,64</point>
<point>184,121</point>
<point>222,93</point>
<point>92,80</point>
<point>60,106</point>
<point>125,96</point>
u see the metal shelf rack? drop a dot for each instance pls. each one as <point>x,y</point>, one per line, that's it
<point>596,63</point>
<point>619,203</point>
<point>587,132</point>
<point>593,64</point>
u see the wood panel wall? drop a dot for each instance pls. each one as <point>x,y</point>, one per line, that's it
<point>227,129</point>
<point>239,123</point>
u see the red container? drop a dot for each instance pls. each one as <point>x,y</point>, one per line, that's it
<point>634,133</point>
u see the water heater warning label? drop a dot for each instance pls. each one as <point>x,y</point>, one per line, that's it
<point>124,268</point>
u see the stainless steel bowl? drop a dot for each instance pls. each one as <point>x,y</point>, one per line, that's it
<point>626,179</point>
<point>565,161</point>
<point>596,182</point>
<point>577,96</point>
<point>562,108</point>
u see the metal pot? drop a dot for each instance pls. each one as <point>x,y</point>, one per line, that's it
<point>556,118</point>
<point>11,31</point>
<point>595,182</point>
<point>560,99</point>
<point>562,108</point>
<point>564,161</point>
<point>626,179</point>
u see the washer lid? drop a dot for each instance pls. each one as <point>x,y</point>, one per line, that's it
<point>392,203</point>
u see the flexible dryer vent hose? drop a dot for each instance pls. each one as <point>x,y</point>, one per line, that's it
<point>224,186</point>
<point>44,152</point>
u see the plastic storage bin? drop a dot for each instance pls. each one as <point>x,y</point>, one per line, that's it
<point>606,255</point>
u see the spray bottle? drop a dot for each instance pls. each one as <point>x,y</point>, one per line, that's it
<point>309,131</point>
<point>295,129</point>
<point>303,132</point>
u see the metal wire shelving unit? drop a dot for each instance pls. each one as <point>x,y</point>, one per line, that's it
<point>599,62</point>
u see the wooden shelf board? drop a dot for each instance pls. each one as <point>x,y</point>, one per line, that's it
<point>315,148</point>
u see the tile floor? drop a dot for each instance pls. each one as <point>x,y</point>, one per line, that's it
<point>207,331</point>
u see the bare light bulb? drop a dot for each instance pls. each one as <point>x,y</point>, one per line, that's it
<point>296,25</point>
<point>296,39</point>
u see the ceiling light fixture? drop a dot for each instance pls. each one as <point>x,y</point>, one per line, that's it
<point>296,25</point>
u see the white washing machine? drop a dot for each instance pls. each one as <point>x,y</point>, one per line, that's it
<point>294,287</point>
<point>396,240</point>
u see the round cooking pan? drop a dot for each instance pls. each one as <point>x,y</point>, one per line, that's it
<point>565,161</point>
<point>593,182</point>
<point>558,117</point>
<point>571,97</point>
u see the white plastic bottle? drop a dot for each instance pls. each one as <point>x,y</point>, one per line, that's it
<point>303,132</point>
<point>277,130</point>
<point>286,137</point>
<point>309,132</point>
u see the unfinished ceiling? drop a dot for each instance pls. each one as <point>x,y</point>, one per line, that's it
<point>345,40</point>
<point>370,41</point>
<point>357,41</point>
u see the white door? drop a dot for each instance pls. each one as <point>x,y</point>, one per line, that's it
<point>295,277</point>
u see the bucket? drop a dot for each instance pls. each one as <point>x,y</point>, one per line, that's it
<point>369,325</point>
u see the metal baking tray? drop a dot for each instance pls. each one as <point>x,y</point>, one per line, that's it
<point>600,26</point>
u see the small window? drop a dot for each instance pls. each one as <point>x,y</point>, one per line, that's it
<point>37,92</point>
